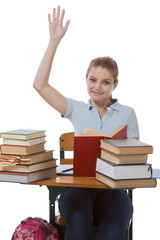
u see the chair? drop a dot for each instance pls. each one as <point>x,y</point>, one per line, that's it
<point>67,144</point>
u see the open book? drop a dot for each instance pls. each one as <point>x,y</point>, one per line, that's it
<point>87,149</point>
<point>120,132</point>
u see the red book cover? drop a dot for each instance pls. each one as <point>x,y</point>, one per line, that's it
<point>86,151</point>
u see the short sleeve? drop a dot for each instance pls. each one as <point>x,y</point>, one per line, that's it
<point>69,109</point>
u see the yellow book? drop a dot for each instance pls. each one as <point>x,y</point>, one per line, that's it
<point>126,184</point>
<point>22,150</point>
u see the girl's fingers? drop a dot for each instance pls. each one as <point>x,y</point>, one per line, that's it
<point>62,16</point>
<point>58,12</point>
<point>58,16</point>
<point>54,14</point>
<point>49,18</point>
<point>66,25</point>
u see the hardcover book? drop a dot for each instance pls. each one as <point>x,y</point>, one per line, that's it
<point>31,142</point>
<point>87,149</point>
<point>37,157</point>
<point>29,167</point>
<point>27,177</point>
<point>22,150</point>
<point>28,159</point>
<point>126,171</point>
<point>126,146</point>
<point>23,134</point>
<point>123,158</point>
<point>126,184</point>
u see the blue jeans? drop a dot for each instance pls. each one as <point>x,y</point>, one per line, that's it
<point>112,210</point>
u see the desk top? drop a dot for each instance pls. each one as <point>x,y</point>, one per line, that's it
<point>70,181</point>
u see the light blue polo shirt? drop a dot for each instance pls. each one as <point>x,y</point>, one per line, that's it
<point>84,115</point>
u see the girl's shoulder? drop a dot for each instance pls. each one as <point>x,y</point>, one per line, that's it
<point>76,103</point>
<point>121,107</point>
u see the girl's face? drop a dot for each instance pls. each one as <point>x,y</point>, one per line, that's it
<point>100,84</point>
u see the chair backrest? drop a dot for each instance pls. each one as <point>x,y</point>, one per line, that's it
<point>66,144</point>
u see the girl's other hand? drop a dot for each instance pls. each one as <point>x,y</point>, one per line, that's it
<point>56,28</point>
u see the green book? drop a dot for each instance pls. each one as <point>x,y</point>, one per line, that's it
<point>24,134</point>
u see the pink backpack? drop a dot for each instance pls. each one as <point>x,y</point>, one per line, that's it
<point>35,229</point>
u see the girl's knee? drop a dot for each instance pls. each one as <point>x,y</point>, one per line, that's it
<point>110,231</point>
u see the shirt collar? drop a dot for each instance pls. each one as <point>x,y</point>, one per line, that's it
<point>114,106</point>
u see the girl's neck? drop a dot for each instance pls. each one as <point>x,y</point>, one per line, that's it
<point>102,107</point>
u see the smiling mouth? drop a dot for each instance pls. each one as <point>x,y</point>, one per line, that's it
<point>97,93</point>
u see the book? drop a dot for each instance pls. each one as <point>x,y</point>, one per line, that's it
<point>29,167</point>
<point>65,169</point>
<point>9,159</point>
<point>29,159</point>
<point>123,159</point>
<point>6,176</point>
<point>91,132</point>
<point>117,172</point>
<point>23,134</point>
<point>126,146</point>
<point>86,151</point>
<point>116,133</point>
<point>126,184</point>
<point>31,142</point>
<point>36,157</point>
<point>22,150</point>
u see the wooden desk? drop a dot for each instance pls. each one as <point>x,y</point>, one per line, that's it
<point>57,184</point>
<point>70,181</point>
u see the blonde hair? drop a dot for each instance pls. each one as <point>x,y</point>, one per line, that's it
<point>105,62</point>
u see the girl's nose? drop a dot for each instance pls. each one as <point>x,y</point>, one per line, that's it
<point>97,86</point>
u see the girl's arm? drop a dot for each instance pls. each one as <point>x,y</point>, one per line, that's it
<point>41,84</point>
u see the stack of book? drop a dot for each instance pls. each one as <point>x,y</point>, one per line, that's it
<point>123,164</point>
<point>23,157</point>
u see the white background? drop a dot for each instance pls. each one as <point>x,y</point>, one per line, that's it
<point>128,31</point>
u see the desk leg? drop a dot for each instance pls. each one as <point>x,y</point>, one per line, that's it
<point>53,193</point>
<point>131,226</point>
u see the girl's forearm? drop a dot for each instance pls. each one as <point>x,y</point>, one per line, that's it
<point>43,73</point>
<point>41,81</point>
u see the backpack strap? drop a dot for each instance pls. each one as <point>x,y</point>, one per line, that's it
<point>46,229</point>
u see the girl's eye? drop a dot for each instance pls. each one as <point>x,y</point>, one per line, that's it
<point>92,79</point>
<point>106,83</point>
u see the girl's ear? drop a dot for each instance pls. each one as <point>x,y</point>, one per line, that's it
<point>115,85</point>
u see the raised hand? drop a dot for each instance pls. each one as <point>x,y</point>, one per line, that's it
<point>56,28</point>
<point>41,81</point>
